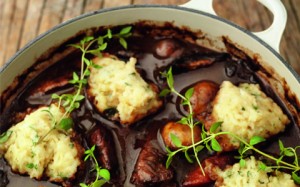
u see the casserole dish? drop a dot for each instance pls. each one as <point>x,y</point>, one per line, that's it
<point>215,32</point>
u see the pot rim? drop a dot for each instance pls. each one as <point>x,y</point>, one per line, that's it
<point>41,36</point>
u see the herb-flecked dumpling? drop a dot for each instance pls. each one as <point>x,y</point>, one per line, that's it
<point>29,151</point>
<point>252,176</point>
<point>118,87</point>
<point>246,111</point>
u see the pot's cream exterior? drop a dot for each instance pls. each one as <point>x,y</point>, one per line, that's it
<point>212,26</point>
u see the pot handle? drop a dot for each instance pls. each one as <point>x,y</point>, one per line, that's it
<point>271,36</point>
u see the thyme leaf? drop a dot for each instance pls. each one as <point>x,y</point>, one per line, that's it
<point>66,124</point>
<point>5,136</point>
<point>215,145</point>
<point>296,178</point>
<point>214,127</point>
<point>256,140</point>
<point>175,140</point>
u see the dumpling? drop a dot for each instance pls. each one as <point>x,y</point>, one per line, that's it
<point>118,89</point>
<point>56,156</point>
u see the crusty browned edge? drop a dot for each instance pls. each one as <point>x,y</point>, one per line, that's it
<point>21,81</point>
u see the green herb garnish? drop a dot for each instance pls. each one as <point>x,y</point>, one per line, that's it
<point>31,166</point>
<point>5,136</point>
<point>102,175</point>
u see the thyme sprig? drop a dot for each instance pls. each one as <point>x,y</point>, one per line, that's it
<point>209,141</point>
<point>64,124</point>
<point>89,45</point>
<point>187,120</point>
<point>102,174</point>
<point>71,101</point>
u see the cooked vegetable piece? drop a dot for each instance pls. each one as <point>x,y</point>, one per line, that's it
<point>166,48</point>
<point>182,132</point>
<point>204,93</point>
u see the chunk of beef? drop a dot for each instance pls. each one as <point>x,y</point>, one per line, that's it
<point>150,167</point>
<point>195,177</point>
<point>105,150</point>
<point>197,60</point>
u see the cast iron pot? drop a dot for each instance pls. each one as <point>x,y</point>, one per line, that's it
<point>196,15</point>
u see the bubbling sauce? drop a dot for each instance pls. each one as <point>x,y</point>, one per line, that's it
<point>157,49</point>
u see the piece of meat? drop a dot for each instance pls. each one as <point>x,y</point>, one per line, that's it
<point>195,176</point>
<point>203,95</point>
<point>197,60</point>
<point>53,83</point>
<point>150,167</point>
<point>105,151</point>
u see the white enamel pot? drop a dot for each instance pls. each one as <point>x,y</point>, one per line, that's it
<point>196,14</point>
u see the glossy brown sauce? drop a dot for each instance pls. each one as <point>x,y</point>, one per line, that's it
<point>129,140</point>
